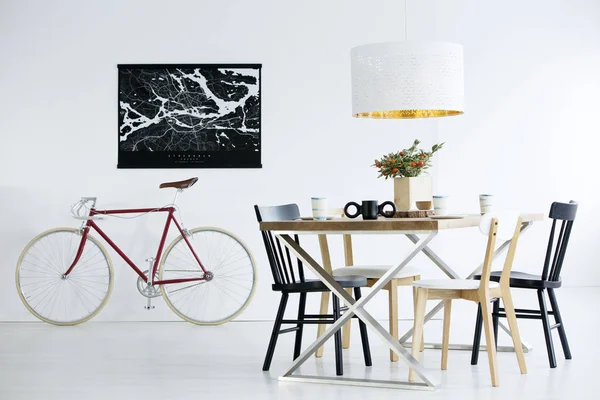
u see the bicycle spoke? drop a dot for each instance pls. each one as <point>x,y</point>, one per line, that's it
<point>184,271</point>
<point>193,264</point>
<point>186,297</point>
<point>47,264</point>
<point>244,267</point>
<point>231,263</point>
<point>48,254</point>
<point>228,293</point>
<point>44,293</point>
<point>41,289</point>
<point>226,255</point>
<point>235,275</point>
<point>187,287</point>
<point>39,270</point>
<point>36,282</point>
<point>233,284</point>
<point>78,294</point>
<point>85,288</point>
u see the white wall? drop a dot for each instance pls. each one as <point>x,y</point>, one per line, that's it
<point>530,130</point>
<point>530,93</point>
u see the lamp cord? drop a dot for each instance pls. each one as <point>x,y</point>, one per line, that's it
<point>405,23</point>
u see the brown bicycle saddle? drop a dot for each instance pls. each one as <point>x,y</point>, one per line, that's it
<point>179,184</point>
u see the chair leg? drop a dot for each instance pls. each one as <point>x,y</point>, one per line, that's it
<point>511,317</point>
<point>339,365</point>
<point>393,310</point>
<point>347,328</point>
<point>301,311</point>
<point>446,334</point>
<point>420,308</point>
<point>561,327</point>
<point>496,320</point>
<point>477,337</point>
<point>363,334</point>
<point>415,310</point>
<point>275,333</point>
<point>547,331</point>
<point>321,327</point>
<point>486,314</point>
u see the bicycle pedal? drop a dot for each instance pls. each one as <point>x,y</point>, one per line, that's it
<point>149,305</point>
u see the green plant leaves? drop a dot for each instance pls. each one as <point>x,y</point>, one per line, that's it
<point>409,162</point>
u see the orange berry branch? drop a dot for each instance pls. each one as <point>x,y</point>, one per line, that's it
<point>406,163</point>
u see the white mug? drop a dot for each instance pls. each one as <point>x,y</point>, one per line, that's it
<point>486,203</point>
<point>440,205</point>
<point>319,208</point>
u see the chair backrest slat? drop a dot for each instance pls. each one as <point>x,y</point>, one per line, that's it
<point>549,252</point>
<point>510,255</point>
<point>300,267</point>
<point>559,243</point>
<point>272,256</point>
<point>281,257</point>
<point>555,272</point>
<point>505,226</point>
<point>556,250</point>
<point>289,259</point>
<point>282,265</point>
<point>489,255</point>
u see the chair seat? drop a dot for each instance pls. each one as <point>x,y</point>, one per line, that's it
<point>451,284</point>
<point>315,285</point>
<point>375,271</point>
<point>524,280</point>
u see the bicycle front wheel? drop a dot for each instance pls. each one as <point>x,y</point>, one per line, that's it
<point>230,267</point>
<point>53,297</point>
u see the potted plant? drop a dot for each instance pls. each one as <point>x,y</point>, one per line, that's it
<point>406,167</point>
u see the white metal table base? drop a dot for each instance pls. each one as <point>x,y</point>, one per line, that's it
<point>453,275</point>
<point>357,307</point>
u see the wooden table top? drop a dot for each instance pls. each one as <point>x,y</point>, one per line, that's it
<point>390,225</point>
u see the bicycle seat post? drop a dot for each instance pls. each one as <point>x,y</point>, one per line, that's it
<point>177,194</point>
<point>150,282</point>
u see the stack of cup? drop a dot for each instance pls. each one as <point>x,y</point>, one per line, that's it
<point>486,203</point>
<point>319,208</point>
<point>440,205</point>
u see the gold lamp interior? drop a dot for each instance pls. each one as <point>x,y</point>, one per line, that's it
<point>407,114</point>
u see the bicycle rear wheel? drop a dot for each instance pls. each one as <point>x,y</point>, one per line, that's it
<point>226,294</point>
<point>51,296</point>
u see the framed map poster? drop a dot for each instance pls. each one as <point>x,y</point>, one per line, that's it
<point>189,116</point>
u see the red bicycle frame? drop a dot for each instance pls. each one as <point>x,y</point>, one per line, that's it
<point>170,218</point>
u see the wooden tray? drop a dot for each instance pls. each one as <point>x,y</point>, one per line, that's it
<point>413,214</point>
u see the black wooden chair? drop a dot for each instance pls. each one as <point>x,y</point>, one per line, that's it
<point>289,278</point>
<point>548,280</point>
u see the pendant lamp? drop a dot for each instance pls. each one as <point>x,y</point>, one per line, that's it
<point>407,80</point>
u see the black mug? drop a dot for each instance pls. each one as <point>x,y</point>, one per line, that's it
<point>370,209</point>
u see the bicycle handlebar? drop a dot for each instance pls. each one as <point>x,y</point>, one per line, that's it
<point>76,209</point>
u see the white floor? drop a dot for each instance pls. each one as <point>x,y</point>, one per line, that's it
<point>181,361</point>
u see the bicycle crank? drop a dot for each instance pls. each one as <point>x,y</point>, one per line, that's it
<point>147,290</point>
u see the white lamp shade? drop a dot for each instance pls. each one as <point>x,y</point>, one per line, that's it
<point>407,80</point>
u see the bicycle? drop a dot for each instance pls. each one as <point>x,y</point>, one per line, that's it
<point>207,275</point>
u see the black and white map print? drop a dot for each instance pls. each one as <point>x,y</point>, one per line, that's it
<point>189,116</point>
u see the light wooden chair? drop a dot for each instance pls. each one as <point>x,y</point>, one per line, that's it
<point>549,280</point>
<point>482,292</point>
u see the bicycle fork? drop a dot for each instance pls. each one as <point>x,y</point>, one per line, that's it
<point>84,229</point>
